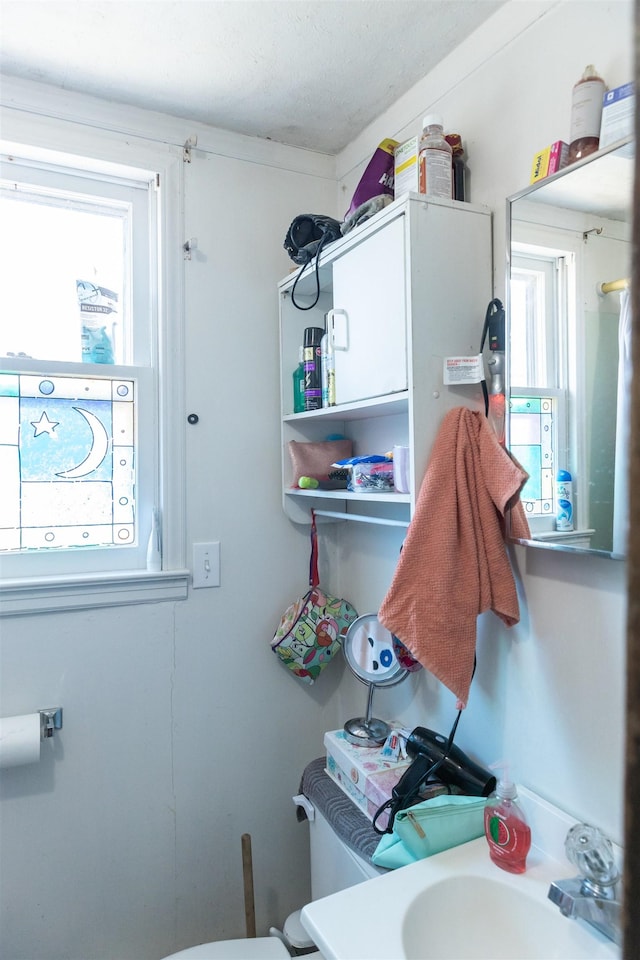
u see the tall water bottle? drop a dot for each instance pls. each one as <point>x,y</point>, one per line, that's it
<point>435,165</point>
<point>586,114</point>
<point>564,501</point>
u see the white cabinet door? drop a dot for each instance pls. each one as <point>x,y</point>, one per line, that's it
<point>369,299</point>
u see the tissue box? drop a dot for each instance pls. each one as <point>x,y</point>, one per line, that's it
<point>617,114</point>
<point>549,160</point>
<point>364,775</point>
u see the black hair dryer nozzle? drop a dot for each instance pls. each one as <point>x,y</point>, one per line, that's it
<point>454,766</point>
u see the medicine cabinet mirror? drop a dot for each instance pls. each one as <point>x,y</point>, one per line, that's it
<point>568,348</point>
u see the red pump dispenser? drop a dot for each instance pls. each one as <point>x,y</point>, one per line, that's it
<point>506,828</point>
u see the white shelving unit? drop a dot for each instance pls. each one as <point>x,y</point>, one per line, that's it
<point>411,285</point>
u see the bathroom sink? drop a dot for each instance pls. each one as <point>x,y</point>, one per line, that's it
<point>487,912</point>
<point>454,906</point>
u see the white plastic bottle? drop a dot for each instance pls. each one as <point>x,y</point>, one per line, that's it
<point>154,546</point>
<point>564,501</point>
<point>586,114</point>
<point>435,160</point>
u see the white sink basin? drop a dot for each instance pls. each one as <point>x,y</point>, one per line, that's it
<point>455,906</point>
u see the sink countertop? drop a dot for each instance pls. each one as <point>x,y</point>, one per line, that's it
<point>368,921</point>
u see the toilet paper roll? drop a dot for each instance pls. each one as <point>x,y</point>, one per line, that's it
<point>19,740</point>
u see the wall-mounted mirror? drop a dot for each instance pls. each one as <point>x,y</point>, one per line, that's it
<point>568,350</point>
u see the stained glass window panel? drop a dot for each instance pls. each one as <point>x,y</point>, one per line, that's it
<point>67,458</point>
<point>531,425</point>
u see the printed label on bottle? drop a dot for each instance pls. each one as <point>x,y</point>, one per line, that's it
<point>312,379</point>
<point>509,838</point>
<point>435,173</point>
<point>586,109</point>
<point>499,831</point>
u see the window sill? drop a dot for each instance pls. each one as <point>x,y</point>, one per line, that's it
<point>80,592</point>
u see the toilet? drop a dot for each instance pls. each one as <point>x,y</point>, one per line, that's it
<point>334,867</point>
<point>260,948</point>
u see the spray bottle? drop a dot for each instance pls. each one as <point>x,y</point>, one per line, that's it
<point>564,501</point>
<point>505,826</point>
<point>328,370</point>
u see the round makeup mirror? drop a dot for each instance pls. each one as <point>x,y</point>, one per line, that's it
<point>369,651</point>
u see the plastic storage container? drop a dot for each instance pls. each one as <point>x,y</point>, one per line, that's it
<point>435,166</point>
<point>506,828</point>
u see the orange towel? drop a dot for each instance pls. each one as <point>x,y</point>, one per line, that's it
<point>454,563</point>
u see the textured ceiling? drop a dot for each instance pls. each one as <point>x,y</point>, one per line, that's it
<point>310,74</point>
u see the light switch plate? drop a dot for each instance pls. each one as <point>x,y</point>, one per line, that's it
<point>206,564</point>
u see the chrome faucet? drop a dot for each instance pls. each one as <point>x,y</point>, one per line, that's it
<point>595,895</point>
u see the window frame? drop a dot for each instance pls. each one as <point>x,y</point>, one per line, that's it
<point>57,182</point>
<point>49,140</point>
<point>536,242</point>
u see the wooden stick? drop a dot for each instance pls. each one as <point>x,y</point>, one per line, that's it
<point>247,878</point>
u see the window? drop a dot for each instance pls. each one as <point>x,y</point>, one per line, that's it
<point>84,424</point>
<point>534,443</point>
<point>540,305</point>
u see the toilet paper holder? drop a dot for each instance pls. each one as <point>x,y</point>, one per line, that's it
<point>50,720</point>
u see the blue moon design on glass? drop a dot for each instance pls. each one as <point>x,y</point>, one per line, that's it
<point>97,451</point>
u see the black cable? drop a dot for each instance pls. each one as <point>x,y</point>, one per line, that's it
<point>495,307</point>
<point>321,244</point>
<point>394,805</point>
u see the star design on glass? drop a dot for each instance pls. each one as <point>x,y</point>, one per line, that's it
<point>44,425</point>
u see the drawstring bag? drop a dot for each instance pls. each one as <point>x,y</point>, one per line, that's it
<point>306,238</point>
<point>312,629</point>
<point>378,178</point>
<point>430,827</point>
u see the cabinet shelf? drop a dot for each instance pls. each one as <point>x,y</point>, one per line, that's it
<point>350,495</point>
<point>357,410</point>
<point>406,289</point>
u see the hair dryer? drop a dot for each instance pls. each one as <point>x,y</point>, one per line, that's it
<point>495,397</point>
<point>434,757</point>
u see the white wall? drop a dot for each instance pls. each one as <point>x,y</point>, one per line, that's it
<point>181,729</point>
<point>549,694</point>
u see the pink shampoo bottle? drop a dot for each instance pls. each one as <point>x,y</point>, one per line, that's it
<point>506,828</point>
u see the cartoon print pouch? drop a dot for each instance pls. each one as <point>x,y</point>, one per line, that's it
<point>312,629</point>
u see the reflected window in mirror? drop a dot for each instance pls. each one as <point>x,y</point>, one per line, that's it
<point>542,305</point>
<point>569,251</point>
<point>534,422</point>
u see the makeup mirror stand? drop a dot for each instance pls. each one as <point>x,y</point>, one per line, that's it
<point>367,731</point>
<point>368,650</point>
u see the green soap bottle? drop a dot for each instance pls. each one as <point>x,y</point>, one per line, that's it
<point>298,384</point>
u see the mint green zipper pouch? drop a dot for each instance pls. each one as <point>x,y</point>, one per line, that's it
<point>430,827</point>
